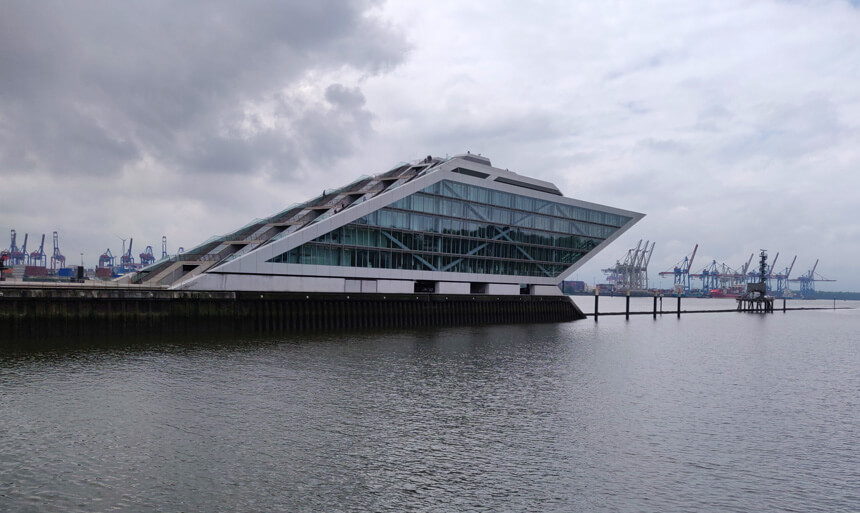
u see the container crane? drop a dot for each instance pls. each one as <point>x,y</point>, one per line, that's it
<point>38,257</point>
<point>164,246</point>
<point>681,273</point>
<point>58,261</point>
<point>782,279</point>
<point>741,277</point>
<point>736,280</point>
<point>807,281</point>
<point>147,258</point>
<point>632,274</point>
<point>16,256</point>
<point>126,261</point>
<point>106,260</point>
<point>770,272</point>
<point>23,249</point>
<point>710,277</point>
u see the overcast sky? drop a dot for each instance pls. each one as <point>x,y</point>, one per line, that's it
<point>731,124</point>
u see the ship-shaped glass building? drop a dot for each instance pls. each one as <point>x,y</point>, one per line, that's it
<point>435,226</point>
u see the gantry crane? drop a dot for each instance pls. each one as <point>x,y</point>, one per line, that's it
<point>106,260</point>
<point>58,261</point>
<point>738,279</point>
<point>719,277</point>
<point>807,281</point>
<point>782,279</point>
<point>23,249</point>
<point>632,274</point>
<point>126,261</point>
<point>147,257</point>
<point>681,273</point>
<point>16,256</point>
<point>38,257</point>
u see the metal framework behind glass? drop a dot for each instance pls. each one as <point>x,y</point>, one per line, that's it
<point>457,227</point>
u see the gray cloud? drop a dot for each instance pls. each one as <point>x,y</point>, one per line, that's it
<point>94,86</point>
<point>148,117</point>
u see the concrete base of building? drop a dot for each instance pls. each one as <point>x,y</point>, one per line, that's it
<point>30,313</point>
<point>335,284</point>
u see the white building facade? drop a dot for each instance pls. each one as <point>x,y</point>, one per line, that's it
<point>441,226</point>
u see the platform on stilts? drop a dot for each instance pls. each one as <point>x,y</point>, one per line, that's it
<point>756,299</point>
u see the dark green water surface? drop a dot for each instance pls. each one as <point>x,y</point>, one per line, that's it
<point>712,412</point>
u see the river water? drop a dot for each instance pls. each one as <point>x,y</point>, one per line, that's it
<point>709,412</point>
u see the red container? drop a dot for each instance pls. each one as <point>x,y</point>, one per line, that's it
<point>35,270</point>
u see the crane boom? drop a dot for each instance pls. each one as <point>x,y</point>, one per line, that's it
<point>637,256</point>
<point>747,266</point>
<point>650,252</point>
<point>772,265</point>
<point>690,265</point>
<point>790,267</point>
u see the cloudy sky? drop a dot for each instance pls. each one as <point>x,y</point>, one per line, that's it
<point>731,124</point>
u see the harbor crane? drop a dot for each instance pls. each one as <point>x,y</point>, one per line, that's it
<point>746,266</point>
<point>632,274</point>
<point>23,249</point>
<point>38,257</point>
<point>58,261</point>
<point>16,256</point>
<point>126,261</point>
<point>718,276</point>
<point>164,246</point>
<point>147,258</point>
<point>782,279</point>
<point>681,273</point>
<point>807,281</point>
<point>769,278</point>
<point>740,277</point>
<point>106,259</point>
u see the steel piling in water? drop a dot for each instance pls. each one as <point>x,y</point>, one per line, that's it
<point>26,311</point>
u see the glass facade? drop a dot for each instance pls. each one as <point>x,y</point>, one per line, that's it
<point>455,227</point>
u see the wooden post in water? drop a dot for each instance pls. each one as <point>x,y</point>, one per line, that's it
<point>627,310</point>
<point>596,294</point>
<point>655,305</point>
<point>783,305</point>
<point>679,305</point>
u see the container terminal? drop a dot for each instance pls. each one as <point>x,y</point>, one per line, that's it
<point>717,280</point>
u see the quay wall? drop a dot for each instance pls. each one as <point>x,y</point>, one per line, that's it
<point>45,311</point>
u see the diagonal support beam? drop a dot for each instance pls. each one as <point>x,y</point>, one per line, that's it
<point>498,236</point>
<point>403,246</point>
<point>525,254</point>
